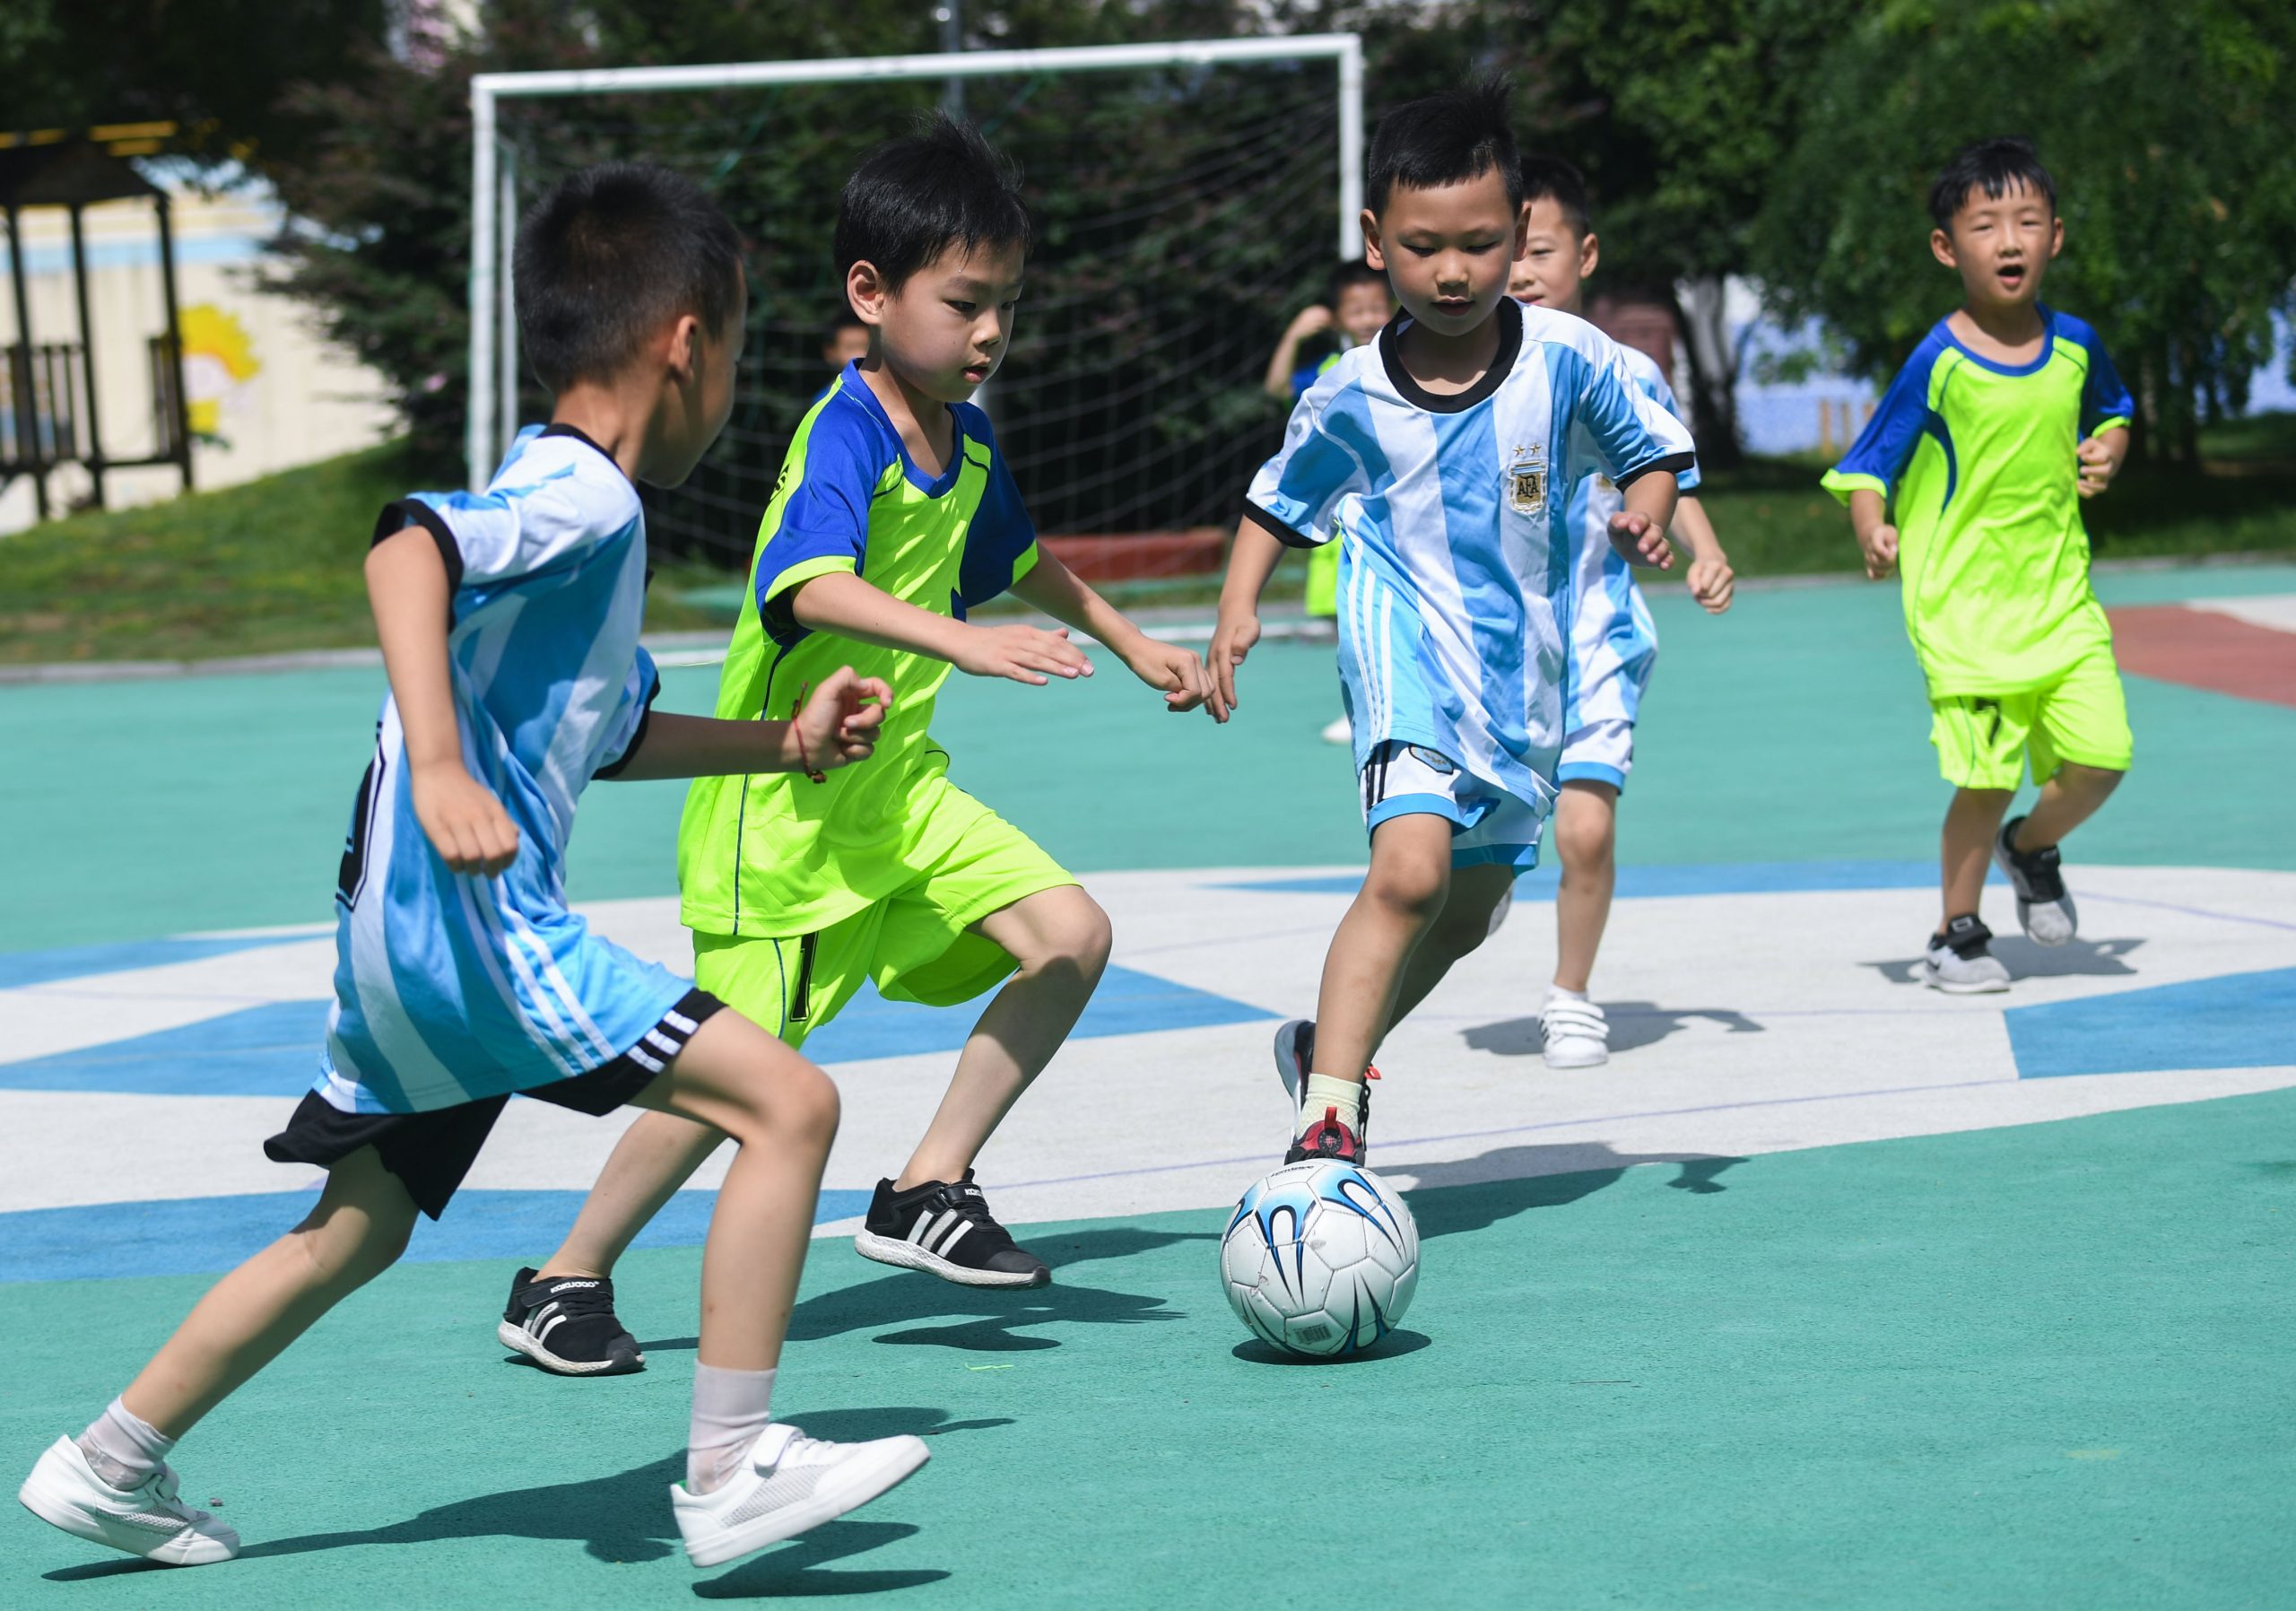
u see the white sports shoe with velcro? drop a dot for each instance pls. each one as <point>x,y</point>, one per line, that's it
<point>1577,1035</point>
<point>147,1519</point>
<point>788,1483</point>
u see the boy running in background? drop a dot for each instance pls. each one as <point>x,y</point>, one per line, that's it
<point>461,976</point>
<point>1613,644</point>
<point>1361,303</point>
<point>1440,461</point>
<point>895,513</point>
<point>2007,414</point>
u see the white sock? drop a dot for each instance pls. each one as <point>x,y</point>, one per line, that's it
<point>730,1409</point>
<point>1326,1091</point>
<point>1557,993</point>
<point>123,1448</point>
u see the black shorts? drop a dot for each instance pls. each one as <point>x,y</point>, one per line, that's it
<point>430,1153</point>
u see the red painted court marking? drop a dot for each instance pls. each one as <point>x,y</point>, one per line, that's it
<point>2201,649</point>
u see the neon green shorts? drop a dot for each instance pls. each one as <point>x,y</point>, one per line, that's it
<point>915,944</point>
<point>1985,740</point>
<point>1323,580</point>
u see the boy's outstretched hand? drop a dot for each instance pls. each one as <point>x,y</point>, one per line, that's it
<point>463,821</point>
<point>1232,640</point>
<point>1178,672</point>
<point>838,724</point>
<point>1880,547</point>
<point>1638,537</point>
<point>1025,653</point>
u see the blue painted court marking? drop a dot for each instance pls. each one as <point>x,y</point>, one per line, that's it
<point>268,1051</point>
<point>1720,878</point>
<point>2233,1021</point>
<point>190,1236</point>
<point>19,968</point>
<point>1127,1003</point>
<point>273,1049</point>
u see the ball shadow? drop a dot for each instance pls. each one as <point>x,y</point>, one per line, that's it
<point>1252,1350</point>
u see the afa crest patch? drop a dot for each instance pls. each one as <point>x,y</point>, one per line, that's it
<point>1525,477</point>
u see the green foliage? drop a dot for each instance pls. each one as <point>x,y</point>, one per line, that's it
<point>219,68</point>
<point>2166,127</point>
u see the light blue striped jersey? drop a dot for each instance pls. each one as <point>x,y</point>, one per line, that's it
<point>451,986</point>
<point>1457,556</point>
<point>1614,642</point>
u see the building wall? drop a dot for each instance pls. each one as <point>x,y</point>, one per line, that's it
<point>268,392</point>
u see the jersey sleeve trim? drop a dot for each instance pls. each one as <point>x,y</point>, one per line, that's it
<point>620,764</point>
<point>1841,483</point>
<point>397,516</point>
<point>1676,465</point>
<point>2109,422</point>
<point>1026,563</point>
<point>781,624</point>
<point>1282,532</point>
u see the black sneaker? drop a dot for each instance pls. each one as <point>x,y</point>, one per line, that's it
<point>946,1230</point>
<point>2044,909</point>
<point>566,1325</point>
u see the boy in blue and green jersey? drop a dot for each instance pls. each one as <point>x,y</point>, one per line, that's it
<point>1968,482</point>
<point>895,514</point>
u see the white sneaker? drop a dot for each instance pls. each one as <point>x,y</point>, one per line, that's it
<point>1577,1035</point>
<point>1959,962</point>
<point>2045,908</point>
<point>788,1483</point>
<point>1340,730</point>
<point>146,1521</point>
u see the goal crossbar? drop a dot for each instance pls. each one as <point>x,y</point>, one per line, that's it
<point>493,336</point>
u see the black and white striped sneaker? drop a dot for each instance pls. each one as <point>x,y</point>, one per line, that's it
<point>946,1230</point>
<point>566,1324</point>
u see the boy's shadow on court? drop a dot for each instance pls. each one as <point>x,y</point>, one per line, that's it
<point>1466,1194</point>
<point>626,1517</point>
<point>996,1316</point>
<point>1634,1024</point>
<point>2025,960</point>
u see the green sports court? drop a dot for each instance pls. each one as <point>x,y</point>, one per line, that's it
<point>1827,1290</point>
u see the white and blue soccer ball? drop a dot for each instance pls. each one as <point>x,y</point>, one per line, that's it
<point>1320,1258</point>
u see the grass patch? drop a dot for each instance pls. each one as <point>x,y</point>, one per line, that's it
<point>268,566</point>
<point>273,565</point>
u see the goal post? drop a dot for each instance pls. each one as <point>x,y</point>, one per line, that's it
<point>493,391</point>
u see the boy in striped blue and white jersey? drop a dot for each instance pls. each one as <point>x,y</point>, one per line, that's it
<point>1614,642</point>
<point>1440,460</point>
<point>509,623</point>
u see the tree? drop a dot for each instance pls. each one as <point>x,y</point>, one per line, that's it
<point>218,69</point>
<point>2165,127</point>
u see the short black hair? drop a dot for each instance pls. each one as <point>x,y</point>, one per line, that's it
<point>612,254</point>
<point>1551,178</point>
<point>1445,139</point>
<point>1356,272</point>
<point>914,197</point>
<point>1994,166</point>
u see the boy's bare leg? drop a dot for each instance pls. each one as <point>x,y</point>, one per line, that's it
<point>2068,800</point>
<point>1403,897</point>
<point>1463,927</point>
<point>1060,938</point>
<point>1971,822</point>
<point>1586,836</point>
<point>655,1157</point>
<point>358,1229</point>
<point>739,1081</point>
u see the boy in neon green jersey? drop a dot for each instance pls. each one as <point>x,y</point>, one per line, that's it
<point>2006,416</point>
<point>894,513</point>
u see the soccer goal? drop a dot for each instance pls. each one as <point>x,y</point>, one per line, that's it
<point>1189,198</point>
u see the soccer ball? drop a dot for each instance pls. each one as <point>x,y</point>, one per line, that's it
<point>1320,1258</point>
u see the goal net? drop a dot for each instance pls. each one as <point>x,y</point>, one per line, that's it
<point>1190,199</point>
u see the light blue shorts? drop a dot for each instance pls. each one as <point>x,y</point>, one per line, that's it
<point>1489,826</point>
